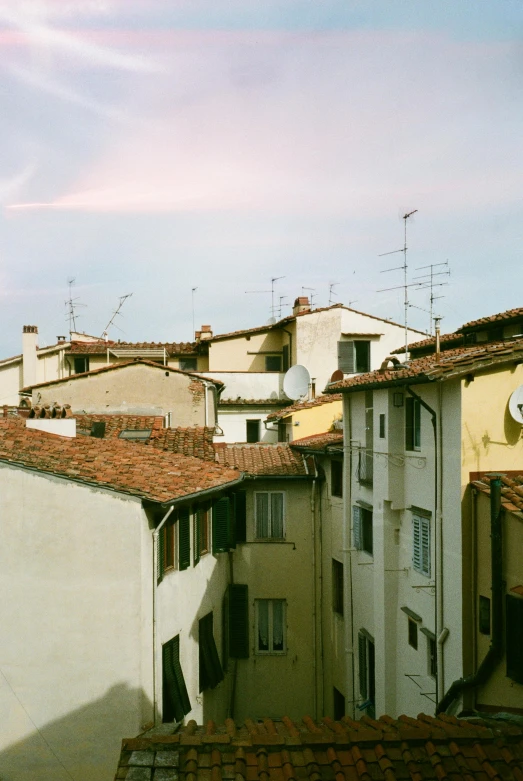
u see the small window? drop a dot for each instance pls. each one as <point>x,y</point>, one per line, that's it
<point>412,424</point>
<point>273,363</point>
<point>253,430</point>
<point>285,356</point>
<point>354,356</point>
<point>282,431</point>
<point>138,434</point>
<point>188,364</point>
<point>337,587</point>
<point>81,365</point>
<point>175,698</point>
<point>338,703</point>
<point>421,545</point>
<point>336,478</point>
<point>366,670</point>
<point>362,356</point>
<point>269,514</point>
<point>270,626</point>
<point>382,425</point>
<point>484,615</point>
<point>210,669</point>
<point>413,633</point>
<point>166,551</point>
<point>362,528</point>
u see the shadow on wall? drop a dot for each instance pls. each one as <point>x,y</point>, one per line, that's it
<point>83,745</point>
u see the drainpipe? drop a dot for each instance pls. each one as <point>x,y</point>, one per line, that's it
<point>495,651</point>
<point>155,579</point>
<point>316,614</point>
<point>348,623</point>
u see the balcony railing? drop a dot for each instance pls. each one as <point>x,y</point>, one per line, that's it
<point>365,467</point>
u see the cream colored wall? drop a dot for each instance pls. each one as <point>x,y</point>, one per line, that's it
<point>75,578</point>
<point>233,354</point>
<point>499,690</point>
<point>134,389</point>
<point>10,382</point>
<point>314,420</point>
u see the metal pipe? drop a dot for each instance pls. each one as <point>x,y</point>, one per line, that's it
<point>348,623</point>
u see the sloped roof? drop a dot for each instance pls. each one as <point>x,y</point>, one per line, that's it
<point>117,367</point>
<point>367,750</point>
<point>127,467</point>
<point>511,490</point>
<point>319,442</point>
<point>430,368</point>
<point>501,317</point>
<point>300,405</point>
<point>115,424</point>
<point>101,347</point>
<point>251,403</point>
<point>260,459</point>
<point>446,340</point>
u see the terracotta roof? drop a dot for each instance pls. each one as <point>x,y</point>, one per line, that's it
<point>146,472</point>
<point>450,364</point>
<point>386,749</point>
<point>101,347</point>
<point>501,317</point>
<point>299,405</point>
<point>115,424</point>
<point>511,490</point>
<point>260,459</point>
<point>196,441</point>
<point>251,402</point>
<point>446,340</point>
<point>117,366</point>
<point>319,441</point>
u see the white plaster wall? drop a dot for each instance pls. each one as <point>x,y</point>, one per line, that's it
<point>75,652</point>
<point>234,425</point>
<point>249,385</point>
<point>10,382</point>
<point>65,427</point>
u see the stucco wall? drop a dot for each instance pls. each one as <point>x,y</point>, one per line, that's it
<point>315,420</point>
<point>76,617</point>
<point>233,423</point>
<point>241,353</point>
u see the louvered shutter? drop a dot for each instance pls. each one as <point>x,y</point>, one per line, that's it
<point>238,621</point>
<point>184,539</point>
<point>277,515</point>
<point>362,665</point>
<point>160,552</point>
<point>175,698</point>
<point>197,534</point>
<point>211,672</point>
<point>514,637</point>
<point>346,357</point>
<point>416,543</point>
<point>356,527</point>
<point>240,499</point>
<point>425,546</point>
<point>184,703</point>
<point>262,515</point>
<point>221,525</point>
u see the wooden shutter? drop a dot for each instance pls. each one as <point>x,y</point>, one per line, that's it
<point>240,511</point>
<point>346,357</point>
<point>362,665</point>
<point>425,546</point>
<point>416,543</point>
<point>175,698</point>
<point>514,638</point>
<point>356,527</point>
<point>238,621</point>
<point>197,534</point>
<point>184,539</point>
<point>221,525</point>
<point>211,672</point>
<point>160,553</point>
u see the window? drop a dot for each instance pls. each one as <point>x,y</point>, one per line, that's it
<point>270,626</point>
<point>166,546</point>
<point>382,425</point>
<point>354,356</point>
<point>282,431</point>
<point>336,478</point>
<point>235,623</point>
<point>81,365</point>
<point>412,424</point>
<point>421,545</point>
<point>175,698</point>
<point>337,587</point>
<point>184,538</point>
<point>269,514</point>
<point>222,526</point>
<point>514,637</point>
<point>484,615</point>
<point>413,633</point>
<point>211,672</point>
<point>366,671</point>
<point>339,704</point>
<point>135,434</point>
<point>273,363</point>
<point>362,528</point>
<point>253,430</point>
<point>201,531</point>
<point>188,364</point>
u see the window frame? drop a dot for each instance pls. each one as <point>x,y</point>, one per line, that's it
<point>274,358</point>
<point>350,359</point>
<point>337,477</point>
<point>248,435</point>
<point>271,536</point>
<point>337,587</point>
<point>412,424</point>
<point>182,364</point>
<point>270,651</point>
<point>363,529</point>
<point>367,670</point>
<point>421,539</point>
<point>201,530</point>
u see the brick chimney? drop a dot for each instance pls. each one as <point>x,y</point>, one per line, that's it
<point>29,346</point>
<point>301,305</point>
<point>205,333</point>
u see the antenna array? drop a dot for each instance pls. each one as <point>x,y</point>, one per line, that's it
<point>116,312</point>
<point>72,306</point>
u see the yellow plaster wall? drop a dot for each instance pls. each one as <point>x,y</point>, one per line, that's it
<point>314,420</point>
<point>233,354</point>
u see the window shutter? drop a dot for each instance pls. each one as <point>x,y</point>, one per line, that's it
<point>221,525</point>
<point>211,672</point>
<point>262,515</point>
<point>232,521</point>
<point>277,515</point>
<point>197,534</point>
<point>346,357</point>
<point>356,527</point>
<point>362,665</point>
<point>514,638</point>
<point>416,544</point>
<point>160,553</point>
<point>240,500</point>
<point>175,698</point>
<point>238,621</point>
<point>425,546</point>
<point>184,539</point>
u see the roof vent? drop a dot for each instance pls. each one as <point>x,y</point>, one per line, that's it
<point>98,429</point>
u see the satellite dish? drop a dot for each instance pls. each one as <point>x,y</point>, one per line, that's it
<point>515,405</point>
<point>337,375</point>
<point>296,382</point>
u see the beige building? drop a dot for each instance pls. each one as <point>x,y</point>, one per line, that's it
<point>413,435</point>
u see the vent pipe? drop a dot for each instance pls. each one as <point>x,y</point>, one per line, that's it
<point>437,321</point>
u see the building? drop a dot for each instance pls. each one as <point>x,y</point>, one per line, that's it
<point>306,418</point>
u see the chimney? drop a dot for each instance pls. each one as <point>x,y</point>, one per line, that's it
<point>29,347</point>
<point>438,346</point>
<point>301,305</point>
<point>60,338</point>
<point>205,333</point>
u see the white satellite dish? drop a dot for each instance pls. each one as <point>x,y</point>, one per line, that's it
<point>296,382</point>
<point>515,405</point>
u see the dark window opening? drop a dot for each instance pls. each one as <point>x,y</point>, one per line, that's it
<point>235,623</point>
<point>413,634</point>
<point>336,478</point>
<point>362,529</point>
<point>273,363</point>
<point>282,432</point>
<point>81,365</point>
<point>188,364</point>
<point>366,670</point>
<point>484,615</point>
<point>339,704</point>
<point>412,424</point>
<point>253,430</point>
<point>362,356</point>
<point>337,587</point>
<point>382,425</point>
<point>174,692</point>
<point>210,669</point>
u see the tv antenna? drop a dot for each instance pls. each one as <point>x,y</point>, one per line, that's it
<point>72,305</point>
<point>405,285</point>
<point>280,306</point>
<point>312,291</point>
<point>271,291</point>
<point>332,292</point>
<point>193,291</point>
<point>116,312</point>
<point>427,282</point>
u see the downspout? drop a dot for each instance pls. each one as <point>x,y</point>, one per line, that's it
<point>495,650</point>
<point>230,710</point>
<point>348,624</point>
<point>316,614</point>
<point>155,579</point>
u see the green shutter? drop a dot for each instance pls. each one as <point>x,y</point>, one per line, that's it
<point>238,621</point>
<point>514,637</point>
<point>184,539</point>
<point>211,672</point>
<point>346,357</point>
<point>221,514</point>
<point>240,513</point>
<point>197,533</point>
<point>160,553</point>
<point>175,698</point>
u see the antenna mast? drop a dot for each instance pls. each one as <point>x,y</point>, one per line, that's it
<point>70,303</point>
<point>193,291</point>
<point>332,292</point>
<point>116,312</point>
<point>427,281</point>
<point>271,291</point>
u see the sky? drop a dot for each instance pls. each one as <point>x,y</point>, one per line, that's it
<point>200,154</point>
